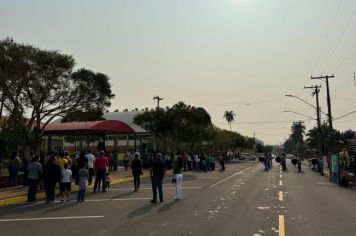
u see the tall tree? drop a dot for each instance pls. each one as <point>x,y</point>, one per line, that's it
<point>42,84</point>
<point>297,135</point>
<point>180,123</point>
<point>229,117</point>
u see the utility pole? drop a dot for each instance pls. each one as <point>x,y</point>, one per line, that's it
<point>328,96</point>
<point>158,100</point>
<point>2,105</point>
<point>320,138</point>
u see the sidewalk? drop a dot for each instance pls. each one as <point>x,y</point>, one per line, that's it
<point>18,194</point>
<point>326,171</point>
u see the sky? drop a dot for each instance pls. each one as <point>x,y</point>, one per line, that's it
<point>239,55</point>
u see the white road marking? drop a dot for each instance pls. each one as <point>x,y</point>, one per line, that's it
<point>202,177</point>
<point>280,176</point>
<point>223,180</point>
<point>130,189</point>
<point>52,218</point>
<point>117,199</point>
<point>280,182</point>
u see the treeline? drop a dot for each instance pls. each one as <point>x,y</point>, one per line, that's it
<point>185,126</point>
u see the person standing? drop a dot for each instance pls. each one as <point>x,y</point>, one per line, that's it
<point>34,175</point>
<point>83,175</point>
<point>178,177</point>
<point>222,162</point>
<point>284,161</point>
<point>14,167</point>
<point>101,165</point>
<point>91,161</point>
<point>66,182</point>
<point>61,161</point>
<point>51,175</point>
<point>265,161</point>
<point>127,160</point>
<point>108,181</point>
<point>158,171</point>
<point>136,167</point>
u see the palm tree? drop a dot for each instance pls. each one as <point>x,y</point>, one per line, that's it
<point>298,132</point>
<point>229,117</point>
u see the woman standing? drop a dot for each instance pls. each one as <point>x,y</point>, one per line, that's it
<point>14,167</point>
<point>136,167</point>
<point>178,177</point>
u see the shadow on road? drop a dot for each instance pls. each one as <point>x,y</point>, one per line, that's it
<point>59,206</point>
<point>141,211</point>
<point>166,207</point>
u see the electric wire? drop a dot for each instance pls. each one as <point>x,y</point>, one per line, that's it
<point>340,38</point>
<point>328,35</point>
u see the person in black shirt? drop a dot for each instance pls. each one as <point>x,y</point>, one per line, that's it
<point>51,175</point>
<point>158,171</point>
<point>136,167</point>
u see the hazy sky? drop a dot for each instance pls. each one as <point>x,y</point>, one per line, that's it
<point>240,55</point>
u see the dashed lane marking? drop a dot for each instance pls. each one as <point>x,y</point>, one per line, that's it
<point>280,196</point>
<point>280,182</point>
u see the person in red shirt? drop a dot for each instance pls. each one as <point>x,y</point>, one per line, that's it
<point>101,166</point>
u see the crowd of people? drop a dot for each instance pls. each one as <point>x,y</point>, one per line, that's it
<point>46,172</point>
<point>63,169</point>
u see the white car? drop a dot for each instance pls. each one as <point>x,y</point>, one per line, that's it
<point>247,157</point>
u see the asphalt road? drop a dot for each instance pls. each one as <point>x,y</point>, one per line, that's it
<point>243,200</point>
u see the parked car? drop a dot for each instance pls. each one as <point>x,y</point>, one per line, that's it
<point>247,157</point>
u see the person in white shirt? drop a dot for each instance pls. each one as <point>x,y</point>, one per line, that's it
<point>66,181</point>
<point>91,160</point>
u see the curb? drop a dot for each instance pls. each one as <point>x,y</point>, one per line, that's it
<point>42,195</point>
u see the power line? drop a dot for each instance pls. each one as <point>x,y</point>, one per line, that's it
<point>339,40</point>
<point>346,110</point>
<point>346,99</point>
<point>347,114</point>
<point>344,58</point>
<point>328,35</point>
<point>229,103</point>
<point>259,122</point>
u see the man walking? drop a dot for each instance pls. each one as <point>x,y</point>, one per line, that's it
<point>158,171</point>
<point>101,166</point>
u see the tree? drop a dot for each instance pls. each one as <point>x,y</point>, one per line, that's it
<point>298,131</point>
<point>42,84</point>
<point>89,115</point>
<point>180,123</point>
<point>229,117</point>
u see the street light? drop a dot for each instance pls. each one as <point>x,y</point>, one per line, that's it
<point>293,96</point>
<point>300,114</point>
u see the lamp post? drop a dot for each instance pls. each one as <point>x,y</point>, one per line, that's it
<point>309,104</point>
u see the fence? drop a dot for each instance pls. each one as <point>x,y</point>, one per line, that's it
<point>9,143</point>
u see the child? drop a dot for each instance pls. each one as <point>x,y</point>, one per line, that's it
<point>83,175</point>
<point>66,181</point>
<point>107,181</point>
